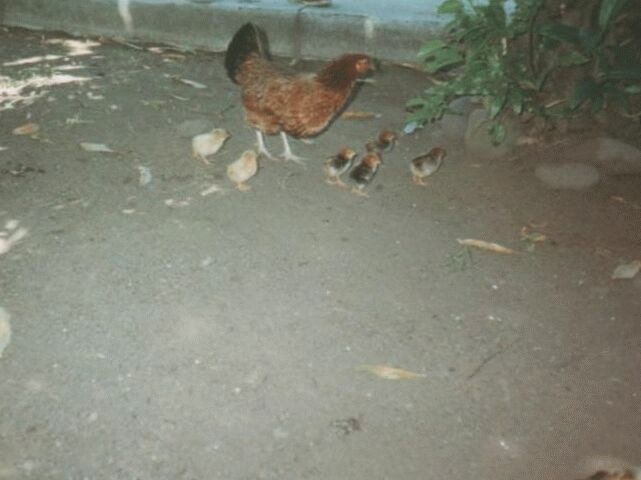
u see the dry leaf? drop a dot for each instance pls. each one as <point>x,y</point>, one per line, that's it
<point>5,330</point>
<point>96,147</point>
<point>170,202</point>
<point>145,175</point>
<point>211,189</point>
<point>356,115</point>
<point>26,129</point>
<point>391,373</point>
<point>411,66</point>
<point>527,141</point>
<point>191,83</point>
<point>483,245</point>
<point>533,237</point>
<point>626,271</point>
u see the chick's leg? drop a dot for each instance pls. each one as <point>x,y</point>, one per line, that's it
<point>419,181</point>
<point>197,155</point>
<point>340,183</point>
<point>243,187</point>
<point>359,192</point>
<point>262,149</point>
<point>287,153</point>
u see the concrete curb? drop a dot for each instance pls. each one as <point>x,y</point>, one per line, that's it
<point>312,33</point>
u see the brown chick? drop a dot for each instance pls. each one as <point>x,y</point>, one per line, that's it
<point>338,164</point>
<point>243,169</point>
<point>364,172</point>
<point>385,142</point>
<point>208,143</point>
<point>626,475</point>
<point>425,165</point>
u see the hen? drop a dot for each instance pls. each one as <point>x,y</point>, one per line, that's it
<point>300,105</point>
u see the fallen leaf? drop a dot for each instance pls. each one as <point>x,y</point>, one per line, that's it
<point>527,141</point>
<point>191,83</point>
<point>532,237</point>
<point>211,189</point>
<point>412,66</point>
<point>356,115</point>
<point>3,148</point>
<point>11,235</point>
<point>145,176</point>
<point>626,271</point>
<point>26,129</point>
<point>391,373</point>
<point>96,147</point>
<point>483,245</point>
<point>170,202</point>
<point>5,330</point>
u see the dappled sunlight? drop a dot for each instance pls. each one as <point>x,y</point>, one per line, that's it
<point>76,48</point>
<point>13,91</point>
<point>31,60</point>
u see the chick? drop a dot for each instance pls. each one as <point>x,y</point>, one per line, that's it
<point>243,169</point>
<point>338,164</point>
<point>364,172</point>
<point>626,475</point>
<point>208,143</point>
<point>383,143</point>
<point>425,165</point>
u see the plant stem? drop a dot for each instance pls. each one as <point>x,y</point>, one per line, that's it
<point>531,54</point>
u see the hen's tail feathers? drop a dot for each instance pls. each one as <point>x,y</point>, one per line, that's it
<point>246,41</point>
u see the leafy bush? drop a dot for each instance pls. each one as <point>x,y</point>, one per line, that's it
<point>532,59</point>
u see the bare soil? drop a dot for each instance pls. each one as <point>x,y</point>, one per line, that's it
<point>161,334</point>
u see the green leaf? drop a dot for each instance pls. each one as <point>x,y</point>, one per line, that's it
<point>609,12</point>
<point>415,102</point>
<point>582,38</point>
<point>630,72</point>
<point>516,99</point>
<point>619,96</point>
<point>445,57</point>
<point>498,133</point>
<point>495,14</point>
<point>589,39</point>
<point>497,105</point>
<point>430,47</point>
<point>633,89</point>
<point>585,89</point>
<point>450,7</point>
<point>572,59</point>
<point>563,33</point>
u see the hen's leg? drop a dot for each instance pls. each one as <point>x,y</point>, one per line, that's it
<point>262,150</point>
<point>287,154</point>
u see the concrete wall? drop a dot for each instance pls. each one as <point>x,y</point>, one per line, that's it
<point>370,26</point>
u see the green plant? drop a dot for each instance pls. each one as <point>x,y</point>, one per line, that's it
<point>520,60</point>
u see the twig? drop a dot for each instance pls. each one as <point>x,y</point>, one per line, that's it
<point>501,349</point>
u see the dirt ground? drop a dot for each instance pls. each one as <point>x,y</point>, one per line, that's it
<point>162,334</point>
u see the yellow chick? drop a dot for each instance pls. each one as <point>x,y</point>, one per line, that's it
<point>208,143</point>
<point>243,169</point>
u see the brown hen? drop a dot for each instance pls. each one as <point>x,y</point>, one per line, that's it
<point>300,105</point>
